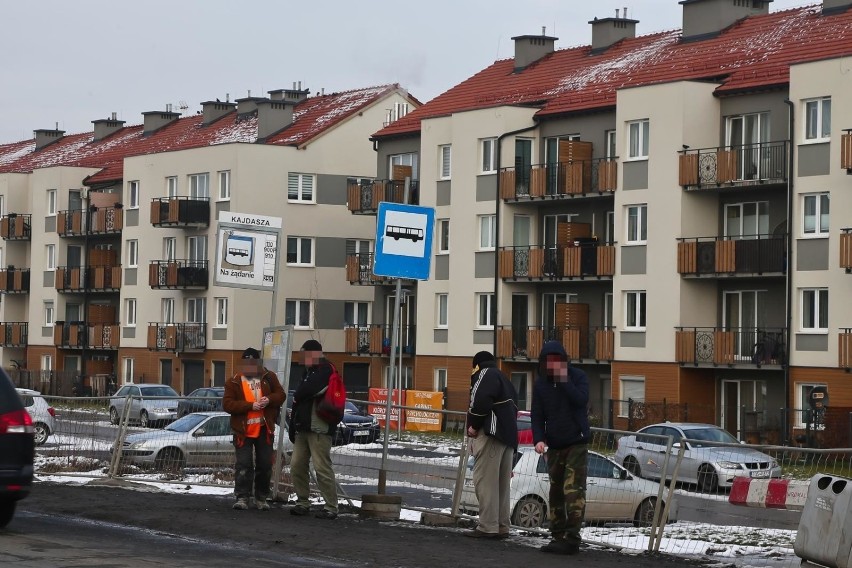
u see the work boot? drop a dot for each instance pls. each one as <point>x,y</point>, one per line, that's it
<point>261,504</point>
<point>241,504</point>
<point>560,546</point>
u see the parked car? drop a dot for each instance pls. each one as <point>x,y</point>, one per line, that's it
<point>150,404</point>
<point>525,435</point>
<point>17,449</point>
<point>612,493</point>
<point>201,400</point>
<point>705,463</point>
<point>356,427</point>
<point>199,439</point>
<point>42,414</point>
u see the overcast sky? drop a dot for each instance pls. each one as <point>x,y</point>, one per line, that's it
<point>71,62</point>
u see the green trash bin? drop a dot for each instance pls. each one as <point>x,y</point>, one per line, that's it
<point>824,536</point>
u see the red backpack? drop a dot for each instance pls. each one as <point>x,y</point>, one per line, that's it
<point>330,407</point>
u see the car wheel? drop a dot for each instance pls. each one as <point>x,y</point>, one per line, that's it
<point>143,419</point>
<point>169,459</point>
<point>708,481</point>
<point>645,513</point>
<point>113,415</point>
<point>529,513</point>
<point>631,464</point>
<point>7,511</point>
<point>41,433</point>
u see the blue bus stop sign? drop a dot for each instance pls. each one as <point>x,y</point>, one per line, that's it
<point>404,241</point>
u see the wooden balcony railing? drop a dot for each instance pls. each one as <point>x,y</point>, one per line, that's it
<point>14,280</point>
<point>735,346</point>
<point>80,335</point>
<point>364,195</point>
<point>16,227</point>
<point>180,211</point>
<point>14,333</point>
<point>732,166</point>
<point>581,343</point>
<point>106,220</point>
<point>88,278</point>
<point>846,150</point>
<point>846,249</point>
<point>748,255</point>
<point>178,274</point>
<point>559,180</point>
<point>359,270</point>
<point>585,260</point>
<point>844,352</point>
<point>375,339</point>
<point>177,337</point>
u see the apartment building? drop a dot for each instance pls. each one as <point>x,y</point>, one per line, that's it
<point>661,204</point>
<point>108,236</point>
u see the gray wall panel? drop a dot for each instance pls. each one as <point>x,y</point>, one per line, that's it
<point>47,332</point>
<point>331,190</point>
<point>443,193</point>
<point>814,159</point>
<point>483,337</point>
<point>131,217</point>
<point>441,336</point>
<point>632,339</point>
<point>222,206</point>
<point>329,314</point>
<point>128,332</point>
<point>50,224</point>
<point>635,175</point>
<point>220,333</point>
<point>807,342</point>
<point>442,267</point>
<point>484,264</point>
<point>812,254</point>
<point>130,276</point>
<point>329,252</point>
<point>49,279</point>
<point>634,259</point>
<point>486,187</point>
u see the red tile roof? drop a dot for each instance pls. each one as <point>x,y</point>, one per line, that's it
<point>753,53</point>
<point>311,118</point>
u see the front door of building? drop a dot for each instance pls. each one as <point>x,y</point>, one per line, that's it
<point>193,375</point>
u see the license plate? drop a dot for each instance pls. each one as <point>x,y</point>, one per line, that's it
<point>761,473</point>
<point>362,432</point>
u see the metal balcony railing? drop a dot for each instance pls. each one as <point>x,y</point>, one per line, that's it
<point>846,249</point>
<point>375,339</point>
<point>177,337</point>
<point>559,179</point>
<point>14,333</point>
<point>734,166</point>
<point>581,343</point>
<point>95,221</point>
<point>586,259</point>
<point>364,195</point>
<point>88,278</point>
<point>178,274</point>
<point>743,346</point>
<point>16,227</point>
<point>180,211</point>
<point>747,255</point>
<point>14,280</point>
<point>79,335</point>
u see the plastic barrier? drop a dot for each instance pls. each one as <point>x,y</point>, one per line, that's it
<point>824,536</point>
<point>769,493</point>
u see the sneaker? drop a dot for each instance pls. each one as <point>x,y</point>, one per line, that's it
<point>326,514</point>
<point>241,504</point>
<point>261,504</point>
<point>476,533</point>
<point>559,546</point>
<point>300,510</point>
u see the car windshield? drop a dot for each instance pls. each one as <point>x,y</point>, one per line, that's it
<point>158,391</point>
<point>186,423</point>
<point>710,436</point>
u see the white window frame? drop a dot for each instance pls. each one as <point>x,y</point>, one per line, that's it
<point>813,298</point>
<point>47,362</point>
<point>406,379</point>
<point>407,159</point>
<point>635,319</point>
<point>50,257</point>
<point>610,144</point>
<point>167,310</point>
<point>298,307</point>
<point>623,395</point>
<point>356,310</point>
<point>195,187</point>
<point>130,312</point>
<point>224,177</point>
<point>303,194</point>
<point>801,404</point>
<point>52,204</point>
<point>195,308</point>
<point>441,379</point>
<point>442,313</point>
<point>484,310</point>
<point>638,139</point>
<point>817,120</point>
<point>487,223</point>
<point>299,243</point>
<point>221,312</point>
<point>639,234</point>
<point>169,248</point>
<point>49,314</point>
<point>445,161</point>
<point>127,369</point>
<point>820,201</point>
<point>171,186</point>
<point>133,194</point>
<point>132,253</point>
<point>488,155</point>
<point>443,240</point>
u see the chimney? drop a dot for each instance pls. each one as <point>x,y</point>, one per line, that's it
<point>272,116</point>
<point>530,48</point>
<point>214,110</point>
<point>607,31</point>
<point>294,95</point>
<point>106,126</point>
<point>44,137</point>
<point>703,19</point>
<point>154,120</point>
<point>247,105</point>
<point>835,6</point>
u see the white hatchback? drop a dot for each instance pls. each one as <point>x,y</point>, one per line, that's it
<point>42,414</point>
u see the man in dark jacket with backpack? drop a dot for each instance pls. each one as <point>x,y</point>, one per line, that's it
<point>560,425</point>
<point>311,436</point>
<point>492,426</point>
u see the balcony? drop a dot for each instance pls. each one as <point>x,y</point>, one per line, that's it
<point>727,167</point>
<point>14,280</point>
<point>88,278</point>
<point>584,261</point>
<point>94,221</point>
<point>581,343</point>
<point>733,347</point>
<point>560,180</point>
<point>359,270</point>
<point>177,337</point>
<point>16,227</point>
<point>846,150</point>
<point>82,335</point>
<point>191,212</point>
<point>364,196</point>
<point>846,249</point>
<point>178,274</point>
<point>14,333</point>
<point>751,255</point>
<point>375,340</point>
<point>845,348</point>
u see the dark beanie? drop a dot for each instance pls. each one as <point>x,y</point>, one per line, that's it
<point>251,353</point>
<point>311,345</point>
<point>482,357</point>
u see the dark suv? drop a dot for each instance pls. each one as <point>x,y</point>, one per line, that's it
<point>17,449</point>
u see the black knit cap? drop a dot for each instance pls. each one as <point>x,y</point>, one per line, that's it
<point>311,345</point>
<point>251,353</point>
<point>482,357</point>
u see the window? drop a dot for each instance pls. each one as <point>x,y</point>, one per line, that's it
<point>300,187</point>
<point>484,315</point>
<point>2,205</point>
<point>634,317</point>
<point>196,310</point>
<point>196,250</point>
<point>47,362</point>
<point>133,195</point>
<point>444,159</point>
<point>443,236</point>
<point>404,379</point>
<point>487,232</point>
<point>637,224</point>
<point>221,312</point>
<point>127,365</point>
<point>611,144</point>
<point>50,257</point>
<point>170,248</point>
<point>489,157</point>
<point>48,314</point>
<point>132,253</point>
<point>300,251</point>
<point>356,313</point>
<point>638,135</point>
<point>130,312</point>
<point>803,394</point>
<point>298,313</point>
<point>409,160</point>
<point>51,202</point>
<point>199,185</point>
<point>442,315</point>
<point>1,256</point>
<point>815,310</point>
<point>171,186</point>
<point>815,209</point>
<point>440,380</point>
<point>632,389</point>
<point>818,119</point>
<point>168,309</point>
<point>224,185</point>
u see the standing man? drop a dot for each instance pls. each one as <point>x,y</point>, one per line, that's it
<point>492,426</point>
<point>560,425</point>
<point>253,397</point>
<point>311,436</point>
